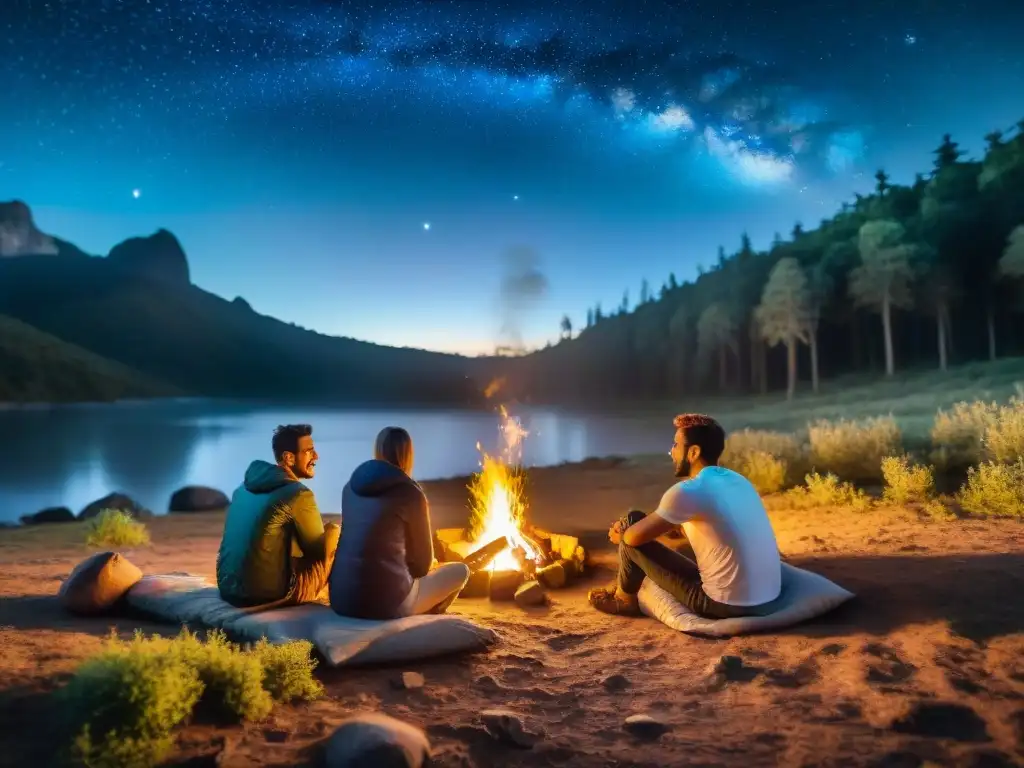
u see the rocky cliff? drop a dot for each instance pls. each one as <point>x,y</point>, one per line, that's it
<point>18,233</point>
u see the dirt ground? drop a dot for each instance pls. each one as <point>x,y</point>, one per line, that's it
<point>925,667</point>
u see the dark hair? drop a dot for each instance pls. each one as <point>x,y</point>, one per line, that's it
<point>286,438</point>
<point>704,432</point>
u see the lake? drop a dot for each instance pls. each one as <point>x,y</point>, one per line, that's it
<point>72,455</point>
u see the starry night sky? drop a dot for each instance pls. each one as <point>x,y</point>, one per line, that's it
<point>566,150</point>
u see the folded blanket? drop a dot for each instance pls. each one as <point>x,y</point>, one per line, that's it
<point>181,598</point>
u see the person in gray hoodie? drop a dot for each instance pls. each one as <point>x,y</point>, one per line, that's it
<point>385,567</point>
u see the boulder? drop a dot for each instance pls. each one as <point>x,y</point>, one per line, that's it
<point>49,515</point>
<point>115,501</point>
<point>375,739</point>
<point>197,498</point>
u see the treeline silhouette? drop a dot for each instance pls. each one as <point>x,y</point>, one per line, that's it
<point>925,274</point>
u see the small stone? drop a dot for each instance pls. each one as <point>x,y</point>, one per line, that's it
<point>530,593</point>
<point>616,682</point>
<point>373,738</point>
<point>645,726</point>
<point>507,726</point>
<point>409,681</point>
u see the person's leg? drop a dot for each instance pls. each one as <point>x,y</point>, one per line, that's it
<point>310,577</point>
<point>437,590</point>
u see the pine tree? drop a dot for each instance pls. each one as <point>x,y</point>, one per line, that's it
<point>784,312</point>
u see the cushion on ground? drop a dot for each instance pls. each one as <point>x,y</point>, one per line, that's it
<point>180,598</point>
<point>805,595</point>
<point>97,583</point>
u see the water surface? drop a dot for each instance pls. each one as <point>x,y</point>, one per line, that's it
<point>70,456</point>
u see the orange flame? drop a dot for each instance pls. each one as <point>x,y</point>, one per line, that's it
<point>498,501</point>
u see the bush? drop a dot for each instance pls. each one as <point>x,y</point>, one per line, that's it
<point>853,450</point>
<point>994,490</point>
<point>116,528</point>
<point>958,434</point>
<point>906,483</point>
<point>767,459</point>
<point>1004,437</point>
<point>125,701</point>
<point>827,491</point>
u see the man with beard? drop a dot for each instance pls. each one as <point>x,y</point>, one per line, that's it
<point>735,570</point>
<point>276,549</point>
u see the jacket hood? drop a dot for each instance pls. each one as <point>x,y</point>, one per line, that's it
<point>376,477</point>
<point>264,477</point>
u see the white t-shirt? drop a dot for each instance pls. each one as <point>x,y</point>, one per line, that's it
<point>726,523</point>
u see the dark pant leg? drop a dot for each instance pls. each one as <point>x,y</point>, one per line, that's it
<point>675,573</point>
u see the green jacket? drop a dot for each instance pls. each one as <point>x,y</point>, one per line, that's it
<point>271,515</point>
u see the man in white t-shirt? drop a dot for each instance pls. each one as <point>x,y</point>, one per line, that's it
<point>737,570</point>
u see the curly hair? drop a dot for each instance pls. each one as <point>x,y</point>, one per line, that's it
<point>704,432</point>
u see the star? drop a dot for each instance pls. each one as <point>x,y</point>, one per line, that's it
<point>136,193</point>
<point>426,226</point>
<point>515,197</point>
<point>910,39</point>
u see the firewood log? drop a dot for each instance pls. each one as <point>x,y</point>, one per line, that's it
<point>504,584</point>
<point>480,558</point>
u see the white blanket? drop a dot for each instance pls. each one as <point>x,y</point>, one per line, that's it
<point>805,595</point>
<point>181,598</point>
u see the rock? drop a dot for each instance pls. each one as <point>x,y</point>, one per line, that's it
<point>373,738</point>
<point>115,501</point>
<point>198,498</point>
<point>553,576</point>
<point>507,726</point>
<point>18,233</point>
<point>408,681</point>
<point>530,593</point>
<point>157,257</point>
<point>49,515</point>
<point>645,726</point>
<point>943,720</point>
<point>616,682</point>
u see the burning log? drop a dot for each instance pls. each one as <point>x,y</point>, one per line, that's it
<point>481,558</point>
<point>445,541</point>
<point>504,585</point>
<point>479,585</point>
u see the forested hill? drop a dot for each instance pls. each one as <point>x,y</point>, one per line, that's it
<point>914,275</point>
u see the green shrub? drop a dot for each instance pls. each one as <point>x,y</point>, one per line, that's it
<point>1004,437</point>
<point>116,528</point>
<point>827,491</point>
<point>994,490</point>
<point>958,434</point>
<point>906,483</point>
<point>768,459</point>
<point>853,450</point>
<point>941,508</point>
<point>288,669</point>
<point>232,678</point>
<point>125,702</point>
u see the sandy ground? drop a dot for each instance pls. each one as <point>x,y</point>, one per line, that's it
<point>925,667</point>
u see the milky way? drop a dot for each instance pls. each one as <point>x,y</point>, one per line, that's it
<point>616,140</point>
<point>619,75</point>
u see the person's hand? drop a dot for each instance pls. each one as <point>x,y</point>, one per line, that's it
<point>616,531</point>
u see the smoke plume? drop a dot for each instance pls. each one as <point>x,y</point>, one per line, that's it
<point>523,284</point>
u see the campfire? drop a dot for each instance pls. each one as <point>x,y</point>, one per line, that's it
<point>510,558</point>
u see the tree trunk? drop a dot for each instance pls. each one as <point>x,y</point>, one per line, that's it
<point>790,368</point>
<point>890,364</point>
<point>940,323</point>
<point>722,368</point>
<point>814,359</point>
<point>763,363</point>
<point>991,320</point>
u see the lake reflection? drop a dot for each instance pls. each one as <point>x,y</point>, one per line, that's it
<point>70,456</point>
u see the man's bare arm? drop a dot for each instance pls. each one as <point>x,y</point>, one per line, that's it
<point>648,529</point>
